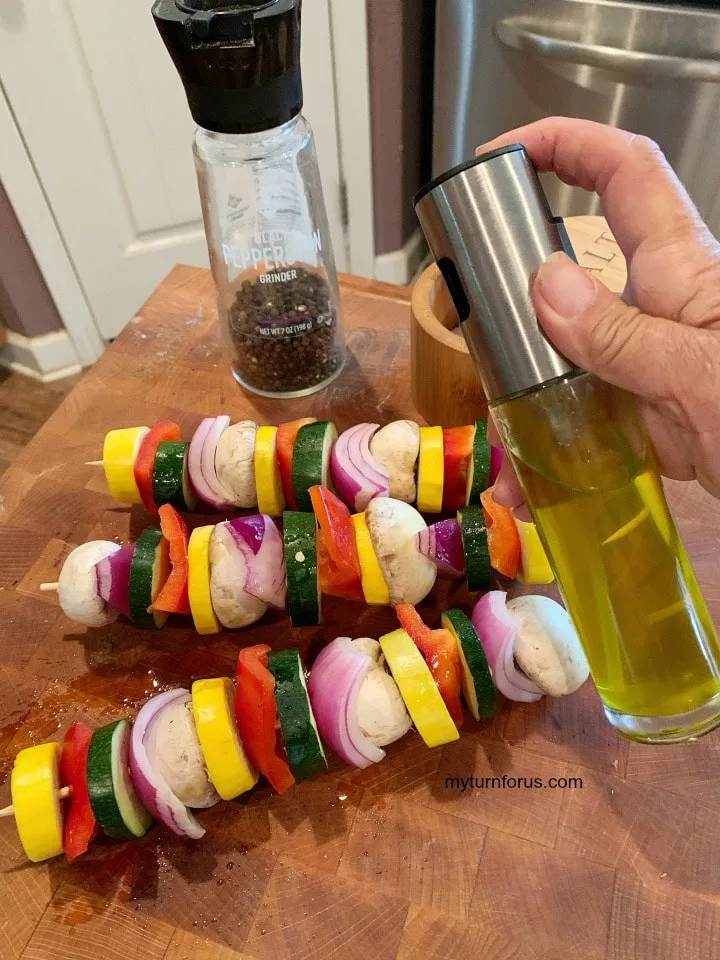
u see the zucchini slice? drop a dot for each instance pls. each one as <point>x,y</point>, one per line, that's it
<point>473,528</point>
<point>480,462</point>
<point>471,471</point>
<point>149,571</point>
<point>311,460</point>
<point>303,581</point>
<point>171,482</point>
<point>116,806</point>
<point>477,685</point>
<point>300,734</point>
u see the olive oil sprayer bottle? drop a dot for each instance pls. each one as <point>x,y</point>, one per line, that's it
<point>583,458</point>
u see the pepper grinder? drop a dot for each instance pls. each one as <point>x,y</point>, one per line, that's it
<point>265,219</point>
<point>581,454</point>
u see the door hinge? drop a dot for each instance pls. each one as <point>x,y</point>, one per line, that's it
<point>344,204</point>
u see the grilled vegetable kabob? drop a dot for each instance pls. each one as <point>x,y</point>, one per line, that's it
<point>230,574</point>
<point>270,468</point>
<point>189,749</point>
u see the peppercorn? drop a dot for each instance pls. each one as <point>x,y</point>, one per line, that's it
<point>285,333</point>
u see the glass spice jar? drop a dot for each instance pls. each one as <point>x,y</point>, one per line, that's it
<point>285,335</point>
<point>263,206</point>
<point>272,258</point>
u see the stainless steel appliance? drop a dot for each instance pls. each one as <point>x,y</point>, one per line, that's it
<point>653,68</point>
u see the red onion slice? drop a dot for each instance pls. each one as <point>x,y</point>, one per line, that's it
<point>493,622</point>
<point>358,476</point>
<point>251,530</point>
<point>333,687</point>
<point>497,629</point>
<point>264,557</point>
<point>113,579</point>
<point>201,462</point>
<point>151,786</point>
<point>442,543</point>
<point>519,687</point>
<point>497,458</point>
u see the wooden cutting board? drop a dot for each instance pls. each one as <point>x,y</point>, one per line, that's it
<point>390,862</point>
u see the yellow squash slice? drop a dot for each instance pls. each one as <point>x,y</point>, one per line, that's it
<point>228,767</point>
<point>374,587</point>
<point>418,689</point>
<point>534,564</point>
<point>271,499</point>
<point>431,470</point>
<point>120,451</point>
<point>199,581</point>
<point>35,787</point>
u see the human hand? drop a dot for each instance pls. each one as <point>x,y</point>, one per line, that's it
<point>661,341</point>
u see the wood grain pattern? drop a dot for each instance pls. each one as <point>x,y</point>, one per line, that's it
<point>25,404</point>
<point>389,862</point>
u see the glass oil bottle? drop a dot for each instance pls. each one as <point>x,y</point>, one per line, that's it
<point>582,456</point>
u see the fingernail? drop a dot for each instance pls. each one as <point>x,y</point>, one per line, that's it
<point>565,286</point>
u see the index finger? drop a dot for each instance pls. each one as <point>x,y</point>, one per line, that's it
<point>641,195</point>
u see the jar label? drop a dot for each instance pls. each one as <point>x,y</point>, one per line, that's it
<point>268,225</point>
<point>273,250</point>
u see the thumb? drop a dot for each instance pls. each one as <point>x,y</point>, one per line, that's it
<point>596,330</point>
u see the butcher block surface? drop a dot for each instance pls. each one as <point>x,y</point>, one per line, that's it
<point>396,861</point>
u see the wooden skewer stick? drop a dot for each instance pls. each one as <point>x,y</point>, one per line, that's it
<point>49,587</point>
<point>10,811</point>
<point>94,463</point>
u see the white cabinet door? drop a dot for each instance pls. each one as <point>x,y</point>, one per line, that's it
<point>104,119</point>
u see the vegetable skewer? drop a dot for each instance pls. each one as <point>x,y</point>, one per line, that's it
<point>188,749</point>
<point>63,794</point>
<point>246,465</point>
<point>228,575</point>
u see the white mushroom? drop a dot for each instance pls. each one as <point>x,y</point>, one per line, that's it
<point>393,527</point>
<point>397,447</point>
<point>233,607</point>
<point>547,648</point>
<point>235,463</point>
<point>77,585</point>
<point>382,714</point>
<point>174,749</point>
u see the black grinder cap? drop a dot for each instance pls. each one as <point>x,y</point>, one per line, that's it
<point>239,60</point>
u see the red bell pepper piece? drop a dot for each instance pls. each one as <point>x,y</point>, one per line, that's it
<point>145,462</point>
<point>503,536</point>
<point>440,652</point>
<point>285,444</point>
<point>173,598</point>
<point>80,828</point>
<point>458,453</point>
<point>257,718</point>
<point>338,561</point>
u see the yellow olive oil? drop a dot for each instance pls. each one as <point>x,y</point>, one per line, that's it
<point>590,479</point>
